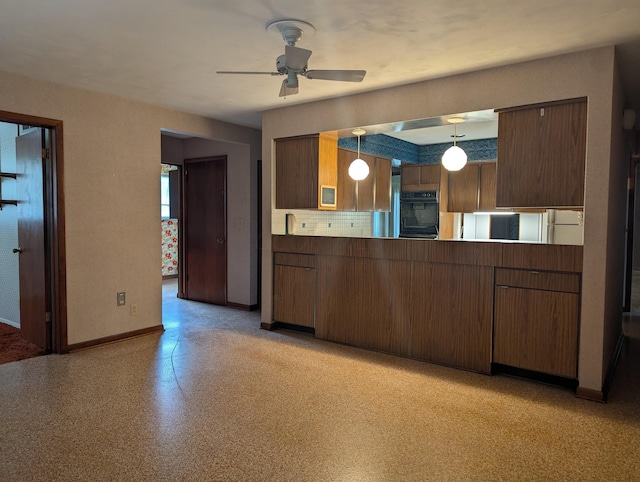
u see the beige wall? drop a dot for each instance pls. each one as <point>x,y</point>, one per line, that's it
<point>111,156</point>
<point>587,74</point>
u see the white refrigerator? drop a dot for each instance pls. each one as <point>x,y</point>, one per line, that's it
<point>563,227</point>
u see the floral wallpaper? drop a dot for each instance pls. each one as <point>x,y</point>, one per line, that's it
<point>169,247</point>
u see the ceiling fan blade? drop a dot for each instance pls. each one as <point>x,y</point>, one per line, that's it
<point>285,90</point>
<point>343,75</point>
<point>296,58</point>
<point>241,72</point>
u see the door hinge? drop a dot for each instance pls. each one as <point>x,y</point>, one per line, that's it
<point>47,317</point>
<point>46,152</point>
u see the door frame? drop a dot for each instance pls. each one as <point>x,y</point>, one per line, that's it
<point>55,224</point>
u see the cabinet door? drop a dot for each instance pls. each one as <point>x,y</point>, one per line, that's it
<point>487,201</point>
<point>297,173</point>
<point>451,314</point>
<point>410,175</point>
<point>463,190</point>
<point>536,330</point>
<point>294,290</point>
<point>366,186</point>
<point>346,191</point>
<point>430,174</point>
<point>371,314</point>
<point>383,184</point>
<point>541,156</point>
<point>420,177</point>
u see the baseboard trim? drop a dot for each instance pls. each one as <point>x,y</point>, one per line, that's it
<point>280,325</point>
<point>9,322</point>
<point>590,394</point>
<point>113,338</point>
<point>556,380</point>
<point>242,307</point>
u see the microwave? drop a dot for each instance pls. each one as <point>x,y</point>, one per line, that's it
<point>327,197</point>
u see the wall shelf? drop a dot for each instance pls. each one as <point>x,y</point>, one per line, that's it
<point>11,175</point>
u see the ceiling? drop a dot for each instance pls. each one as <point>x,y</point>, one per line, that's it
<point>167,52</point>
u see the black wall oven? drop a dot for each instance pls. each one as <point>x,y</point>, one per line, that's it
<point>419,214</point>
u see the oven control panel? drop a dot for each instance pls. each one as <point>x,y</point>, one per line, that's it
<point>419,196</point>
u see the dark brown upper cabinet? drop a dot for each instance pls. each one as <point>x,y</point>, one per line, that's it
<point>424,177</point>
<point>306,172</point>
<point>373,193</point>
<point>541,155</point>
<point>473,188</point>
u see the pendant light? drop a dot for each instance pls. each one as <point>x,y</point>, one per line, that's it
<point>358,169</point>
<point>454,158</point>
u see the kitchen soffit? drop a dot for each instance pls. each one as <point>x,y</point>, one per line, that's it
<point>436,130</point>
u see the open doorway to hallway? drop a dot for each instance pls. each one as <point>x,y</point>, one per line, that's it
<point>170,179</point>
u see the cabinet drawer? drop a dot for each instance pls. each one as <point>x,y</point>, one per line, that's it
<point>538,280</point>
<point>293,259</point>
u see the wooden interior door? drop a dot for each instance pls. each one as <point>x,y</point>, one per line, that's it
<point>31,238</point>
<point>205,230</point>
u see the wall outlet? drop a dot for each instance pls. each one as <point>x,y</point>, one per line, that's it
<point>133,310</point>
<point>121,298</point>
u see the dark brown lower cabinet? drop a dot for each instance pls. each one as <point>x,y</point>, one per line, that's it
<point>430,311</point>
<point>536,321</point>
<point>360,302</point>
<point>451,315</point>
<point>294,289</point>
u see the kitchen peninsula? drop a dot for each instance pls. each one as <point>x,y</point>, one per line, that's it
<point>590,75</point>
<point>447,302</point>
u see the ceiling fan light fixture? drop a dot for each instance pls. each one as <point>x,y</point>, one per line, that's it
<point>358,169</point>
<point>454,158</point>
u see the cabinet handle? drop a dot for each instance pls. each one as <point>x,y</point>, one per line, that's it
<point>534,272</point>
<point>503,287</point>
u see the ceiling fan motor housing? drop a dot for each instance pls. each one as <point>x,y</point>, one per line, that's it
<point>281,64</point>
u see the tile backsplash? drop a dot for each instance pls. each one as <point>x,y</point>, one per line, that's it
<point>322,223</point>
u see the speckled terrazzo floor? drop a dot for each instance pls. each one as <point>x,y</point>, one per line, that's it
<point>215,398</point>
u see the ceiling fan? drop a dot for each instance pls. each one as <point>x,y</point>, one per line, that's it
<point>294,61</point>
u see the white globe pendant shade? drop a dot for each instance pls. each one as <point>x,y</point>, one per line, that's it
<point>358,170</point>
<point>454,159</point>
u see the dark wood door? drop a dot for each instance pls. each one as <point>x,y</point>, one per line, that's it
<point>31,237</point>
<point>205,229</point>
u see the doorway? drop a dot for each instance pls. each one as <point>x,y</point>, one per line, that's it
<point>203,231</point>
<point>39,218</point>
<point>170,181</point>
<point>632,272</point>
